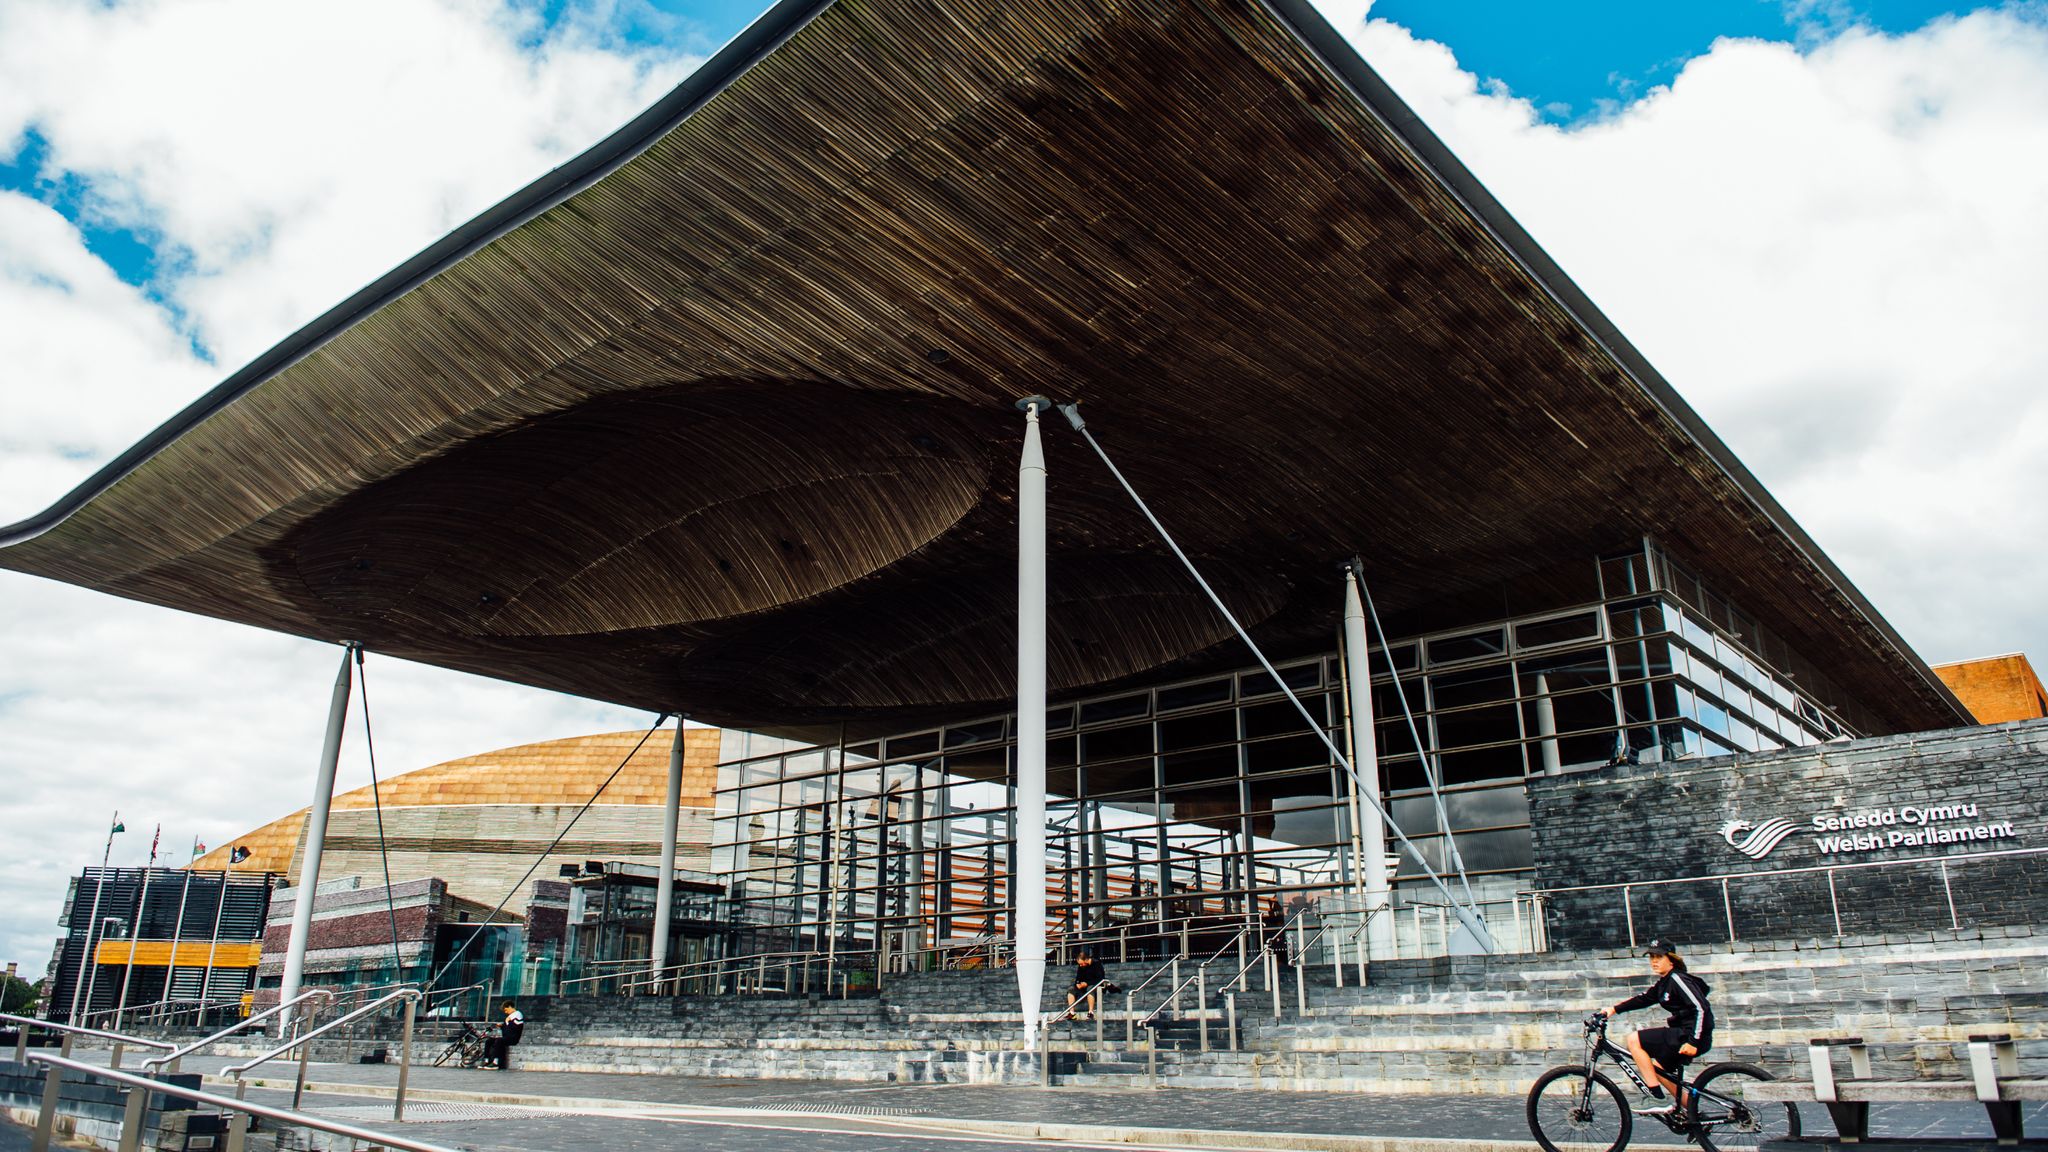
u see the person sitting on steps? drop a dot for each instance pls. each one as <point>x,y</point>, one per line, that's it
<point>1088,980</point>
<point>1688,1031</point>
<point>498,1048</point>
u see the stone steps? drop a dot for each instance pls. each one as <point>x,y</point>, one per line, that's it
<point>1459,1024</point>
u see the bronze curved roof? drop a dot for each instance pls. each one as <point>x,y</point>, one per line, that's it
<point>718,417</point>
<point>559,773</point>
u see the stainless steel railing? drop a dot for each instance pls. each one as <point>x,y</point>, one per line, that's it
<point>170,1060</point>
<point>303,1044</point>
<point>143,1086</point>
<point>1943,864</point>
<point>121,1040</point>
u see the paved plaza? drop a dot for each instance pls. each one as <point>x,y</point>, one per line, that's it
<point>535,1111</point>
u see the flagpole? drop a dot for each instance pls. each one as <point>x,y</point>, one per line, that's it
<point>177,932</point>
<point>135,927</point>
<point>92,920</point>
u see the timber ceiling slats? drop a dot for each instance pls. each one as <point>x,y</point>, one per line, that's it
<point>729,429</point>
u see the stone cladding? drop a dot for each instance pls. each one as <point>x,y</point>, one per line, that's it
<point>1635,824</point>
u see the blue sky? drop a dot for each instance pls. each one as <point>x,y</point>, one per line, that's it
<point>1830,244</point>
<point>1572,59</point>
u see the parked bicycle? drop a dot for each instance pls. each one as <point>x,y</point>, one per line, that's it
<point>1581,1106</point>
<point>465,1050</point>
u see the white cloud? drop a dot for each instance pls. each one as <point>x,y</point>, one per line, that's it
<point>285,154</point>
<point>1836,252</point>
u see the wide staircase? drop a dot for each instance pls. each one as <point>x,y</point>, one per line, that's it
<point>1447,1025</point>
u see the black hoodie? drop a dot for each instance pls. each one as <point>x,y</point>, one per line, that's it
<point>1684,995</point>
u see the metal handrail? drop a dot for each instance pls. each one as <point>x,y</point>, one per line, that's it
<point>1949,859</point>
<point>164,1009</point>
<point>431,994</point>
<point>77,1030</point>
<point>238,1070</point>
<point>178,1054</point>
<point>676,971</point>
<point>1202,968</point>
<point>760,967</point>
<point>212,1100</point>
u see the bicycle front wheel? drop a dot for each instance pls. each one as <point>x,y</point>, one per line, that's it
<point>1727,1119</point>
<point>1576,1106</point>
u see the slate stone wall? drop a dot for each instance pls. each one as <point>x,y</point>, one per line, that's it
<point>1638,823</point>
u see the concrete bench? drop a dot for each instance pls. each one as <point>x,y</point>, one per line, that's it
<point>1994,1082</point>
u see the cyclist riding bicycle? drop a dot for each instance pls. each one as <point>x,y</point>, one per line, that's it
<point>1688,1032</point>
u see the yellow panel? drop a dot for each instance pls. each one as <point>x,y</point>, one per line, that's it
<point>190,953</point>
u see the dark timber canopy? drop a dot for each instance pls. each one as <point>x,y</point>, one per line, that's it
<point>718,416</point>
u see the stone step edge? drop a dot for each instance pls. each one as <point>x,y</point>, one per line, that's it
<point>1090,1133</point>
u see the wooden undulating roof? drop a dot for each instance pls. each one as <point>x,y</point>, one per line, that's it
<point>719,417</point>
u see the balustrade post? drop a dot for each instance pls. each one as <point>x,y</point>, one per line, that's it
<point>405,1063</point>
<point>53,1094</point>
<point>238,1124</point>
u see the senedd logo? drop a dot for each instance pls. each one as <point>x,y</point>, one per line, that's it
<point>1762,837</point>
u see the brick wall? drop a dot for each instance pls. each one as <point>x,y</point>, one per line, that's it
<point>1639,823</point>
<point>1996,689</point>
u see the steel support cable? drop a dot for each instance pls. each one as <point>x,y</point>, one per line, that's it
<point>1433,775</point>
<point>545,852</point>
<point>377,801</point>
<point>1468,916</point>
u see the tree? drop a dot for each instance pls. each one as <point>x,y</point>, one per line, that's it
<point>16,995</point>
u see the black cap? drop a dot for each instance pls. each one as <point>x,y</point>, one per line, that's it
<point>1660,947</point>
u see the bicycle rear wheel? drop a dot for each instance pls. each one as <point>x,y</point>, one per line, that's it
<point>1565,1109</point>
<point>1727,1121</point>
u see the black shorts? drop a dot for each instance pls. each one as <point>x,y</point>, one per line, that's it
<point>1662,1044</point>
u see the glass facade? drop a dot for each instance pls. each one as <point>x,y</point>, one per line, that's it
<point>1212,801</point>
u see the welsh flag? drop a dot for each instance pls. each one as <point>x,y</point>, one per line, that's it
<point>118,826</point>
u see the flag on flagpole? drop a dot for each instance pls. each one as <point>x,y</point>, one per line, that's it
<point>154,840</point>
<point>237,854</point>
<point>198,848</point>
<point>118,826</point>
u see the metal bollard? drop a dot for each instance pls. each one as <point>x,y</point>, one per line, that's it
<point>1273,981</point>
<point>1230,1019</point>
<point>53,1090</point>
<point>1130,1022</point>
<point>1202,1003</point>
<point>1176,985</point>
<point>132,1118</point>
<point>299,1087</point>
<point>119,1048</point>
<point>21,1045</point>
<point>238,1124</point>
<point>405,1063</point>
<point>1300,987</point>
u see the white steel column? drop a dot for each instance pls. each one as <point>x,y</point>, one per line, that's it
<point>316,837</point>
<point>1028,886</point>
<point>1365,760</point>
<point>665,884</point>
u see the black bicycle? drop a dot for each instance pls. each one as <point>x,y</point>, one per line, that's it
<point>1581,1106</point>
<point>466,1050</point>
